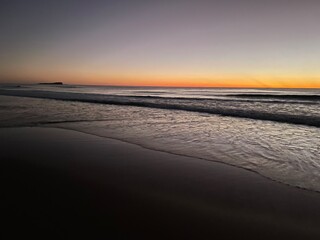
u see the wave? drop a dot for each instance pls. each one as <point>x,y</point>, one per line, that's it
<point>276,96</point>
<point>168,104</point>
<point>220,99</point>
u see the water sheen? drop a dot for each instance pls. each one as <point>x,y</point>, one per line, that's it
<point>283,151</point>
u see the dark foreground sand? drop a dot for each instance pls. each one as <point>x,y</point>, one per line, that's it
<point>64,184</point>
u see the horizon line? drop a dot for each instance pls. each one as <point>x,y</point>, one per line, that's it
<point>160,86</point>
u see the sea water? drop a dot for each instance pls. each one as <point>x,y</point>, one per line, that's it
<point>275,133</point>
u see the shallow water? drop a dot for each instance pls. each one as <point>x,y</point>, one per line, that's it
<point>282,151</point>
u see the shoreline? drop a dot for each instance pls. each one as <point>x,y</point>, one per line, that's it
<point>47,125</point>
<point>184,196</point>
<point>176,154</point>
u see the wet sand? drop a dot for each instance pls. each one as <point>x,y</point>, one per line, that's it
<point>64,184</point>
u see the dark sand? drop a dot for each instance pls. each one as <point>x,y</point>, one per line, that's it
<point>64,184</point>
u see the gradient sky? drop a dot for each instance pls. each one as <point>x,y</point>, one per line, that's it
<point>238,43</point>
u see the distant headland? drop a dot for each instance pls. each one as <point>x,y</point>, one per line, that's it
<point>52,83</point>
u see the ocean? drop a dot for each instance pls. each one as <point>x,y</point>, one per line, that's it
<point>273,132</point>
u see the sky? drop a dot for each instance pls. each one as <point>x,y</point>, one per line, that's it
<point>194,43</point>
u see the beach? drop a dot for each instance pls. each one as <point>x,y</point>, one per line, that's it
<point>66,184</point>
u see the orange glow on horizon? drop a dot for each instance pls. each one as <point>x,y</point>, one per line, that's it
<point>202,83</point>
<point>167,81</point>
